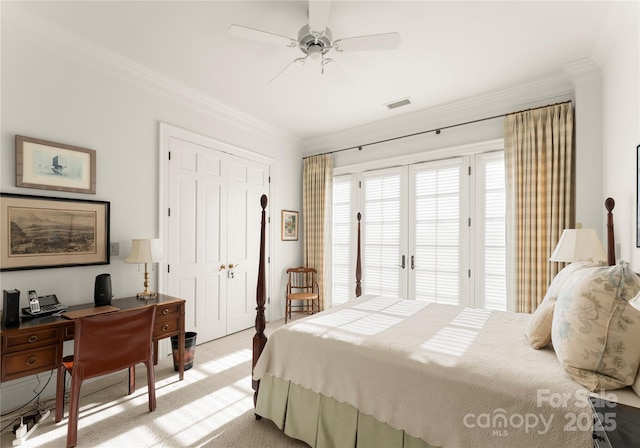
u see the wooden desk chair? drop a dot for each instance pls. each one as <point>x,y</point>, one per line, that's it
<point>302,286</point>
<point>104,344</point>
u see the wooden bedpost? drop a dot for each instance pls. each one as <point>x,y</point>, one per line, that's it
<point>611,249</point>
<point>358,263</point>
<point>259,339</point>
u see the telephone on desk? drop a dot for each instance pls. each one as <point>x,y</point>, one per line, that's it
<point>43,306</point>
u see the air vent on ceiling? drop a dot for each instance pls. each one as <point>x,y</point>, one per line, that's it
<point>399,103</point>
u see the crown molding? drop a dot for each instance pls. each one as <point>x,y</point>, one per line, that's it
<point>583,70</point>
<point>45,34</point>
<point>554,88</point>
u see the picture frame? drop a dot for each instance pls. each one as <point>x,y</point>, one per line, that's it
<point>289,226</point>
<point>54,166</point>
<point>39,232</point>
<point>638,196</point>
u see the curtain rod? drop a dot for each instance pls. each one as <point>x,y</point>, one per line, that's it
<point>436,130</point>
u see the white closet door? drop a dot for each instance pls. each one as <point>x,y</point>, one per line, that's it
<point>197,236</point>
<point>214,236</point>
<point>248,180</point>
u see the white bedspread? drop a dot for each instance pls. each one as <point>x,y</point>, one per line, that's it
<point>452,376</point>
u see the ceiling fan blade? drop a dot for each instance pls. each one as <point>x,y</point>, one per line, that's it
<point>245,32</point>
<point>335,68</point>
<point>319,15</point>
<point>385,41</point>
<point>301,60</point>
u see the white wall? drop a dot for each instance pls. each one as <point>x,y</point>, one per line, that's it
<point>621,133</point>
<point>48,92</point>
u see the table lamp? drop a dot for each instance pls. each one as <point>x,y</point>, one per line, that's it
<point>578,245</point>
<point>145,251</point>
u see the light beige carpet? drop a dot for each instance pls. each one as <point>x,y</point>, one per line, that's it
<point>212,407</point>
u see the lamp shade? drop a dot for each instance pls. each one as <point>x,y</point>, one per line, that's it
<point>578,245</point>
<point>145,251</point>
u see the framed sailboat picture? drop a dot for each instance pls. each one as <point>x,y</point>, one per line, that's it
<point>54,166</point>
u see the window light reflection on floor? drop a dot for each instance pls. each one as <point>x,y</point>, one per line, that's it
<point>226,362</point>
<point>202,416</point>
<point>193,422</point>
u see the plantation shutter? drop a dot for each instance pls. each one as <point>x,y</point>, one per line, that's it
<point>342,285</point>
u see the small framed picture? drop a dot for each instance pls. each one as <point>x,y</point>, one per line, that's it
<point>290,223</point>
<point>53,166</point>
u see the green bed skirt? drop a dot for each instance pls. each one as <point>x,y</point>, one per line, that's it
<point>324,422</point>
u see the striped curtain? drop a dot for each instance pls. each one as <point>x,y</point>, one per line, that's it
<point>538,152</point>
<point>317,191</point>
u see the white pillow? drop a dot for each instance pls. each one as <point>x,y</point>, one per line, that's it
<point>538,329</point>
<point>595,332</point>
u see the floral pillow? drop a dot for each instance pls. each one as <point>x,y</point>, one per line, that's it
<point>538,329</point>
<point>595,332</point>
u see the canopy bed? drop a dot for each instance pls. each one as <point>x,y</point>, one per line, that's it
<point>406,373</point>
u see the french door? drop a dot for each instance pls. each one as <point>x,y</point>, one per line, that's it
<point>213,230</point>
<point>431,231</point>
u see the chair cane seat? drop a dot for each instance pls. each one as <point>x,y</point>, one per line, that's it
<point>302,296</point>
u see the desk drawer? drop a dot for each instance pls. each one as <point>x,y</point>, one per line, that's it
<point>30,362</point>
<point>164,328</point>
<point>169,310</point>
<point>25,340</point>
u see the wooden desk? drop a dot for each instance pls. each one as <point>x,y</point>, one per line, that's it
<point>36,345</point>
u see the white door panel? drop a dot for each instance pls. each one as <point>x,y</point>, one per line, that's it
<point>247,183</point>
<point>214,201</point>
<point>197,194</point>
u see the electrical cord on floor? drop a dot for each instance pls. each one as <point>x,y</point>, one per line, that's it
<point>18,412</point>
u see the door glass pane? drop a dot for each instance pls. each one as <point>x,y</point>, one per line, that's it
<point>494,205</point>
<point>342,286</point>
<point>437,232</point>
<point>381,234</point>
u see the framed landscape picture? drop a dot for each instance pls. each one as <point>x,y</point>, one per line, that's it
<point>53,166</point>
<point>42,232</point>
<point>289,225</point>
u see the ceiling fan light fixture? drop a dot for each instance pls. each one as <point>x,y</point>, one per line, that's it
<point>315,51</point>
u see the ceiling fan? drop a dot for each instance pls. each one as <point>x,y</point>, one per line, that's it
<point>315,39</point>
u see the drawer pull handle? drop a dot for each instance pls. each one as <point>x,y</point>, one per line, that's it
<point>33,338</point>
<point>165,327</point>
<point>165,311</point>
<point>31,360</point>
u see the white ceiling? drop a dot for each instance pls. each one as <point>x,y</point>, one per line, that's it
<point>449,51</point>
